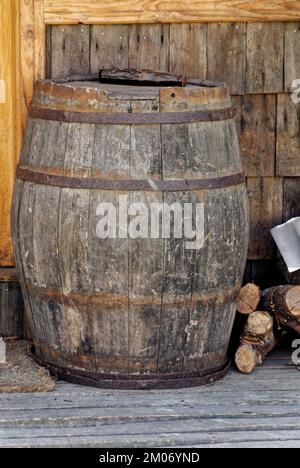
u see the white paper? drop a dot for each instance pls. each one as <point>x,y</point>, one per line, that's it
<point>287,238</point>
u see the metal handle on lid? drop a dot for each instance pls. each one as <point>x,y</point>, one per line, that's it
<point>141,78</point>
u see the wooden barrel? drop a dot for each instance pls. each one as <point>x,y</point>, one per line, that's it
<point>132,310</point>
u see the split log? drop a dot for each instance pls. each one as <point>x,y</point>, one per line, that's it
<point>248,299</point>
<point>284,303</point>
<point>257,341</point>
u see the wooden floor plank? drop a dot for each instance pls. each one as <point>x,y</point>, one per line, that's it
<point>255,445</point>
<point>232,440</point>
<point>99,417</point>
<point>257,410</point>
<point>189,426</point>
<point>184,400</point>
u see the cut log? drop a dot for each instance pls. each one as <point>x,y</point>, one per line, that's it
<point>259,324</point>
<point>257,341</point>
<point>248,299</point>
<point>284,303</point>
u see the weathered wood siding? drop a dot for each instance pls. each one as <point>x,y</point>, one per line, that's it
<point>259,61</point>
<point>11,304</point>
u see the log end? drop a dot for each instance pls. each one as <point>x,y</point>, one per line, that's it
<point>259,324</point>
<point>245,359</point>
<point>293,301</point>
<point>248,299</point>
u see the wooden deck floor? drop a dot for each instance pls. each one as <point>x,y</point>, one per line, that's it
<point>260,410</point>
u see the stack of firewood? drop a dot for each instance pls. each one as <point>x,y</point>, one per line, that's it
<point>270,313</point>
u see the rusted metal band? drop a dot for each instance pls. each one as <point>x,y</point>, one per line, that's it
<point>131,118</point>
<point>117,302</point>
<point>90,183</point>
<point>142,382</point>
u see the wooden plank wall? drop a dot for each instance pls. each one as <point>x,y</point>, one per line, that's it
<point>259,61</point>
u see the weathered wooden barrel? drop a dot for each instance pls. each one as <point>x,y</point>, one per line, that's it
<point>139,308</point>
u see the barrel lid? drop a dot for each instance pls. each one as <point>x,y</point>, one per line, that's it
<point>127,91</point>
<point>130,83</point>
<point>143,78</point>
<point>131,91</point>
<point>119,91</point>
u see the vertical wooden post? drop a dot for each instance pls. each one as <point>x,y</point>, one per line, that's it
<point>39,40</point>
<point>32,53</point>
<point>9,140</point>
<point>26,55</point>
